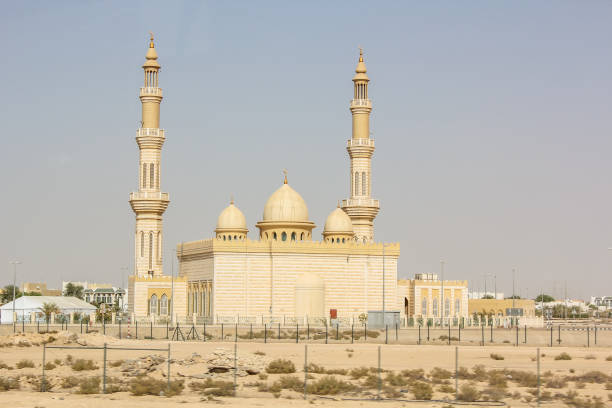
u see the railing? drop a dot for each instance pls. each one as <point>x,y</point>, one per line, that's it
<point>151,90</point>
<point>361,102</point>
<point>150,132</point>
<point>360,142</point>
<point>361,202</point>
<point>149,195</point>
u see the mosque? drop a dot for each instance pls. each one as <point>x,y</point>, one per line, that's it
<point>282,274</point>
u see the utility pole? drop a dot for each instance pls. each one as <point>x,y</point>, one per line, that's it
<point>442,295</point>
<point>15,263</point>
<point>513,282</point>
<point>495,283</point>
<point>565,296</point>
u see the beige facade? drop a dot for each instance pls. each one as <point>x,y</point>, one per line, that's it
<point>428,297</point>
<point>501,307</point>
<point>41,288</point>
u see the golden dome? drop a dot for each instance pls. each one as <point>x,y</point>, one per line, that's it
<point>338,222</point>
<point>285,205</point>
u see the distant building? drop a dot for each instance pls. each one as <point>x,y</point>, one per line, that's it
<point>422,297</point>
<point>488,293</point>
<point>29,308</point>
<point>602,302</point>
<point>109,296</point>
<point>502,307</point>
<point>39,287</point>
<point>86,285</point>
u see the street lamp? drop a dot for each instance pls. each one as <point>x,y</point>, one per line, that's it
<point>15,263</point>
<point>442,292</point>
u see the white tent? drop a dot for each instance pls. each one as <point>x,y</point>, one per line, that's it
<point>25,306</point>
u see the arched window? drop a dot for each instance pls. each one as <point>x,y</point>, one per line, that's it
<point>356,183</point>
<point>284,236</point>
<point>144,175</point>
<point>150,251</point>
<point>153,305</point>
<point>293,236</point>
<point>447,307</point>
<point>224,237</point>
<point>332,240</point>
<point>274,236</point>
<point>266,235</point>
<point>229,237</point>
<point>302,236</point>
<point>363,184</point>
<point>343,240</point>
<point>235,238</point>
<point>163,305</point>
<point>141,243</point>
<point>435,307</point>
<point>457,307</point>
<point>424,307</point>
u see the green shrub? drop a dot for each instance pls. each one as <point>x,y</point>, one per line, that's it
<point>83,365</point>
<point>329,385</point>
<point>421,390</point>
<point>280,366</point>
<point>468,393</point>
<point>495,356</point>
<point>9,383</point>
<point>216,388</point>
<point>563,356</point>
<point>25,364</point>
<point>144,385</point>
<point>89,385</point>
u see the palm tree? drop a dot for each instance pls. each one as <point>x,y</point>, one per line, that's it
<point>74,290</point>
<point>48,309</point>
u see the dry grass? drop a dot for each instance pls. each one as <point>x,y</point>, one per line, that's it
<point>215,388</point>
<point>495,356</point>
<point>25,364</point>
<point>438,374</point>
<point>9,383</point>
<point>89,385</point>
<point>469,393</point>
<point>498,380</point>
<point>83,365</point>
<point>330,385</point>
<point>49,366</point>
<point>259,353</point>
<point>556,382</point>
<point>421,390</point>
<point>448,389</point>
<point>3,365</point>
<point>609,358</point>
<point>150,386</point>
<point>280,366</point>
<point>357,373</point>
<point>69,382</point>
<point>590,357</point>
<point>563,356</point>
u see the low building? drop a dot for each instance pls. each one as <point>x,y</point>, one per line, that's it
<point>502,307</point>
<point>423,296</point>
<point>109,296</point>
<point>487,294</point>
<point>39,287</point>
<point>602,302</point>
<point>29,309</point>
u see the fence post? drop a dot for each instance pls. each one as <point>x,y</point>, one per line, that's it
<point>222,332</point>
<point>204,331</point>
<point>151,331</point>
<point>279,329</point>
<point>38,327</point>
<point>235,363</point>
<point>297,333</point>
<point>305,369</point>
<point>419,334</point>
<point>559,335</point>
<point>307,330</point>
<point>365,331</point>
<point>459,330</point>
<point>482,330</point>
<point>538,369</point>
<point>103,325</point>
<point>43,384</point>
<point>456,373</point>
<point>236,333</point>
<point>337,330</point>
<point>251,332</point>
<point>588,337</point>
<point>352,333</point>
<point>396,338</point>
<point>167,329</point>
<point>136,329</point>
<point>551,334</point>
<point>379,376</point>
<point>169,363</point>
<point>427,331</point>
<point>265,332</point>
<point>595,335</point>
<point>325,332</point>
<point>23,324</point>
<point>517,334</point>
<point>491,330</point>
<point>525,334</point>
<point>449,333</point>
<point>386,334</point>
<point>119,329</point>
<point>104,372</point>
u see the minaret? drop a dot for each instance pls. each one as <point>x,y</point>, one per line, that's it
<point>360,207</point>
<point>149,203</point>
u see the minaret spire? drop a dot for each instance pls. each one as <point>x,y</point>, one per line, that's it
<point>360,207</point>
<point>149,203</point>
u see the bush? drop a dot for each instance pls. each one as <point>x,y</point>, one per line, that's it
<point>357,373</point>
<point>259,353</point>
<point>263,376</point>
<point>49,366</point>
<point>214,388</point>
<point>596,377</point>
<point>396,380</point>
<point>421,390</point>
<point>556,382</point>
<point>446,389</point>
<point>3,365</point>
<point>609,358</point>
<point>144,385</point>
<point>25,364</point>
<point>116,363</point>
<point>438,374</point>
<point>479,373</point>
<point>415,374</point>
<point>590,357</point>
<point>9,383</point>
<point>70,382</point>
<point>498,380</point>
<point>468,393</point>
<point>83,365</point>
<point>563,356</point>
<point>524,378</point>
<point>89,385</point>
<point>280,366</point>
<point>494,394</point>
<point>329,385</point>
<point>289,382</point>
<point>495,356</point>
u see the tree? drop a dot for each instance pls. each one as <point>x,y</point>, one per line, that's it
<point>48,308</point>
<point>547,298</point>
<point>487,297</point>
<point>7,294</point>
<point>73,290</point>
<point>514,297</point>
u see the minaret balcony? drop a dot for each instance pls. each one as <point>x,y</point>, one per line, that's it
<point>149,195</point>
<point>150,91</point>
<point>366,103</point>
<point>361,202</point>
<point>360,142</point>
<point>150,132</point>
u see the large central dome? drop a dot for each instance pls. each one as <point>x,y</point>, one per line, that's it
<point>285,217</point>
<point>286,204</point>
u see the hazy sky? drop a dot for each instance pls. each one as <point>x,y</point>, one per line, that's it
<point>492,123</point>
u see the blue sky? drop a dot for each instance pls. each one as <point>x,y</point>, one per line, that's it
<point>491,120</point>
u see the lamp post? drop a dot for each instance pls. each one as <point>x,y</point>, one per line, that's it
<point>15,263</point>
<point>442,291</point>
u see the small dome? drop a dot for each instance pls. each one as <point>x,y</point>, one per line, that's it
<point>338,222</point>
<point>285,204</point>
<point>231,219</point>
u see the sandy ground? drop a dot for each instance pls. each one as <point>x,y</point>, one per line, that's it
<point>190,362</point>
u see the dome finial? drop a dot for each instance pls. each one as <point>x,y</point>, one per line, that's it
<point>338,203</point>
<point>285,173</point>
<point>151,45</point>
<point>232,199</point>
<point>360,54</point>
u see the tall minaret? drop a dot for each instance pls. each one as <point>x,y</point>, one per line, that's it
<point>360,207</point>
<point>149,203</point>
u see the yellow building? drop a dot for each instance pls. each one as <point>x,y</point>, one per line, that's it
<point>39,287</point>
<point>285,274</point>
<point>501,307</point>
<point>423,297</point>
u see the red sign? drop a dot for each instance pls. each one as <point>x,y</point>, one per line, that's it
<point>333,313</point>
